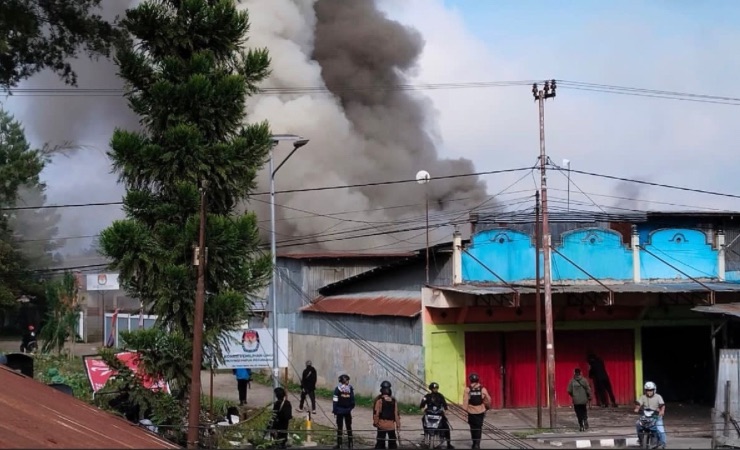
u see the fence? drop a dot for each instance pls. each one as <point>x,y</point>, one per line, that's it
<point>726,411</point>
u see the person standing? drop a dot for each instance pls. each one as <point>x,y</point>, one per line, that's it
<point>282,412</point>
<point>580,393</point>
<point>343,402</point>
<point>243,377</point>
<point>386,419</point>
<point>308,387</point>
<point>602,384</point>
<point>476,401</point>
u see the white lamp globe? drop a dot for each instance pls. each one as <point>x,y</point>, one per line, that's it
<point>423,177</point>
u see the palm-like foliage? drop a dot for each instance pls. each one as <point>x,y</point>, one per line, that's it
<point>188,80</point>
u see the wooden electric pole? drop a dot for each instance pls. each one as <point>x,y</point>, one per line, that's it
<point>200,293</point>
<point>540,95</point>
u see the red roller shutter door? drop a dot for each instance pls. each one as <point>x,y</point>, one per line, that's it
<point>483,356</point>
<point>615,347</point>
<point>520,375</point>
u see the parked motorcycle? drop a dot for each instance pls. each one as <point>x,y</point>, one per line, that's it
<point>647,425</point>
<point>432,434</point>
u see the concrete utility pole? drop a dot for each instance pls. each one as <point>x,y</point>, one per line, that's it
<point>540,95</point>
<point>200,293</point>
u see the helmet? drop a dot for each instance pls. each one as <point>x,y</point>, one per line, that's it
<point>31,328</point>
<point>474,378</point>
<point>344,378</point>
<point>309,363</point>
<point>385,385</point>
<point>650,386</point>
<point>433,386</point>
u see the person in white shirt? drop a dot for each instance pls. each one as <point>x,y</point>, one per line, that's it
<point>651,400</point>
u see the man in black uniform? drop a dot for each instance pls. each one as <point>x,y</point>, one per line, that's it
<point>435,403</point>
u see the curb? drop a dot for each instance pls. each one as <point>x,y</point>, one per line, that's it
<point>588,443</point>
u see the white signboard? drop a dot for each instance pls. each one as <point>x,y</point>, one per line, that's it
<point>103,282</point>
<point>252,348</point>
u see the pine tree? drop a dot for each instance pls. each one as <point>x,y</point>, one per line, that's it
<point>20,167</point>
<point>188,79</point>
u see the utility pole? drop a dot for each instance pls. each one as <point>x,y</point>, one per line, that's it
<point>200,293</point>
<point>538,309</point>
<point>540,95</point>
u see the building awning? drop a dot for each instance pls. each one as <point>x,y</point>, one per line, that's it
<point>381,303</point>
<point>726,309</point>
<point>656,288</point>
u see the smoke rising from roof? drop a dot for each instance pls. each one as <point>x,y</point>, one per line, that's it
<point>360,130</point>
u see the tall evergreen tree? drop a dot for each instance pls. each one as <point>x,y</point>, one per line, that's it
<point>188,78</point>
<point>20,167</point>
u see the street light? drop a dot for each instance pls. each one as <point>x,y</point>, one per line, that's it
<point>298,142</point>
<point>566,163</point>
<point>423,177</point>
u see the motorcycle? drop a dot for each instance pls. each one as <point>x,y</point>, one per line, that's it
<point>431,420</point>
<point>647,434</point>
<point>29,347</point>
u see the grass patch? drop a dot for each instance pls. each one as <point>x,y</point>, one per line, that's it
<point>252,431</point>
<point>526,433</point>
<point>360,400</point>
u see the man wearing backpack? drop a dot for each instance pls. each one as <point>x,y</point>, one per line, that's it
<point>580,392</point>
<point>476,401</point>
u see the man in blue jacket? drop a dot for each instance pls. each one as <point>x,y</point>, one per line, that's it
<point>343,402</point>
<point>243,377</point>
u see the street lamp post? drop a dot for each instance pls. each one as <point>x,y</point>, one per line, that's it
<point>298,142</point>
<point>423,177</point>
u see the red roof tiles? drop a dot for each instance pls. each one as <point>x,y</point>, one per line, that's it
<point>34,415</point>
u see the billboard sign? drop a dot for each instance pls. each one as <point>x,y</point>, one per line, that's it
<point>252,348</point>
<point>98,372</point>
<point>103,282</point>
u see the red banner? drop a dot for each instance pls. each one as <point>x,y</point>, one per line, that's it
<point>98,372</point>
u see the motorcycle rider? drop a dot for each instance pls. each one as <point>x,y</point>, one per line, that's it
<point>435,402</point>
<point>652,400</point>
<point>28,337</point>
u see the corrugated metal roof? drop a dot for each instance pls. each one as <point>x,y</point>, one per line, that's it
<point>34,415</point>
<point>662,287</point>
<point>381,303</point>
<point>729,309</point>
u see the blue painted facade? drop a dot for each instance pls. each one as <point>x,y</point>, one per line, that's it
<point>604,253</point>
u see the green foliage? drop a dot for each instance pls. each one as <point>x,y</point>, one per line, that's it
<point>162,354</point>
<point>63,308</point>
<point>125,394</point>
<point>188,79</point>
<point>40,34</point>
<point>20,167</point>
<point>50,368</point>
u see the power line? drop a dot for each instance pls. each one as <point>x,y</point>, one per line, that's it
<point>567,84</point>
<point>290,191</point>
